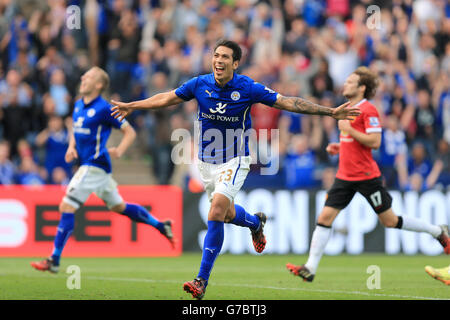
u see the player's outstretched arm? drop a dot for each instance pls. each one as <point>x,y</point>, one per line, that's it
<point>299,105</point>
<point>161,100</point>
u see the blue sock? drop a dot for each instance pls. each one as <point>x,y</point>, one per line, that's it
<point>64,230</point>
<point>211,248</point>
<point>245,219</point>
<point>139,214</point>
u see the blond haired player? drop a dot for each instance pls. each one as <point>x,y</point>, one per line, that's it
<point>92,125</point>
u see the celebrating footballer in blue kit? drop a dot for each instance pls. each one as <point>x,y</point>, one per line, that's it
<point>92,125</point>
<point>224,101</point>
<point>224,113</point>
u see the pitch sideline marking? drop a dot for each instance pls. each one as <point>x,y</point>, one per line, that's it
<point>261,287</point>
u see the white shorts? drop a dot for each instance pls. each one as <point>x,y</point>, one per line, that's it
<point>90,179</point>
<point>226,178</point>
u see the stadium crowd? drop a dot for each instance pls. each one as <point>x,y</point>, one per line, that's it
<point>296,47</point>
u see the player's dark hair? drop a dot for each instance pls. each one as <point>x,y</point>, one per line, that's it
<point>369,79</point>
<point>237,51</point>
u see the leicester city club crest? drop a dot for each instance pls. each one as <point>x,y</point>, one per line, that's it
<point>235,95</point>
<point>91,113</point>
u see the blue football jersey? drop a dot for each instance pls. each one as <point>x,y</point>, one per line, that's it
<point>92,125</point>
<point>224,114</point>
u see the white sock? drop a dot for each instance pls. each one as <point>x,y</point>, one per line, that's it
<point>417,225</point>
<point>319,240</point>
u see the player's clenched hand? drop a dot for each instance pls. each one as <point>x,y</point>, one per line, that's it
<point>114,153</point>
<point>120,109</point>
<point>345,112</point>
<point>71,154</point>
<point>333,148</point>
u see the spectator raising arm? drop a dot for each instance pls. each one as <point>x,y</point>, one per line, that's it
<point>434,174</point>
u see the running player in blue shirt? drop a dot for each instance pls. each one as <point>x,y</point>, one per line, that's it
<point>224,101</point>
<point>92,124</point>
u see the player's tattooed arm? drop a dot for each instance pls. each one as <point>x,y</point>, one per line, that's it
<point>299,105</point>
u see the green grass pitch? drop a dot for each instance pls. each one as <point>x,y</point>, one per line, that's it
<point>234,277</point>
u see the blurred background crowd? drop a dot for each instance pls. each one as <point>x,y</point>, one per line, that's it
<point>296,47</point>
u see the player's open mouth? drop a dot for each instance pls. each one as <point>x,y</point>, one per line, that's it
<point>219,69</point>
